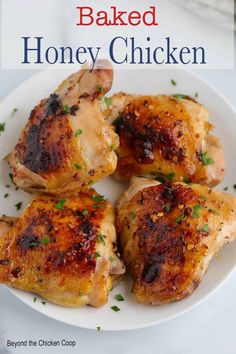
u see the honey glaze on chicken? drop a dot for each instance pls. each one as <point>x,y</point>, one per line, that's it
<point>45,147</point>
<point>166,138</point>
<point>63,250</point>
<point>168,235</point>
<point>66,144</point>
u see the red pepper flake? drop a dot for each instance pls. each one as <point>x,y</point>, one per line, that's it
<point>15,272</point>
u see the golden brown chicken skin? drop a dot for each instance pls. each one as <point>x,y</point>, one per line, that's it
<point>166,138</point>
<point>62,249</point>
<point>169,233</point>
<point>66,144</point>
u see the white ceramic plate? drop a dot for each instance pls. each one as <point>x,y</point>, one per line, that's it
<point>132,315</point>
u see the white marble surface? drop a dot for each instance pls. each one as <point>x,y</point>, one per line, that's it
<point>208,329</point>
<point>219,11</point>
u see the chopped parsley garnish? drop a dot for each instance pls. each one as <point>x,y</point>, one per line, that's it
<point>97,198</point>
<point>90,181</point>
<point>2,127</point>
<point>119,297</point>
<point>173,82</point>
<point>107,102</point>
<point>60,204</point>
<point>6,195</point>
<point>99,88</point>
<point>33,244</point>
<point>96,255</point>
<point>196,95</point>
<point>206,159</point>
<point>11,177</point>
<point>112,147</point>
<point>180,96</point>
<point>160,179</point>
<point>118,154</point>
<point>170,176</point>
<point>167,207</point>
<point>97,206</point>
<point>78,132</point>
<point>98,329</point>
<point>66,109</point>
<point>45,240</point>
<point>84,212</point>
<point>117,120</point>
<point>205,228</point>
<point>112,259</point>
<point>195,210</point>
<point>180,218</point>
<point>101,239</point>
<point>34,299</point>
<point>44,303</point>
<point>115,308</point>
<point>14,111</point>
<point>226,188</point>
<point>18,205</point>
<point>186,180</point>
<point>234,186</point>
<point>132,215</point>
<point>203,197</point>
<point>78,166</point>
<point>7,186</point>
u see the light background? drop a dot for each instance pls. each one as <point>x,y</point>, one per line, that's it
<point>55,20</point>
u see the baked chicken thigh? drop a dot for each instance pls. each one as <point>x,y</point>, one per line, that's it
<point>66,144</point>
<point>165,138</point>
<point>169,233</point>
<point>63,250</point>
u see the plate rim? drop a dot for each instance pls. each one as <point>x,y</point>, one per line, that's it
<point>157,321</point>
<point>137,327</point>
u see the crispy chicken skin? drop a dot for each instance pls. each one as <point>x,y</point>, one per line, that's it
<point>63,250</point>
<point>164,137</point>
<point>66,144</point>
<point>169,233</point>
